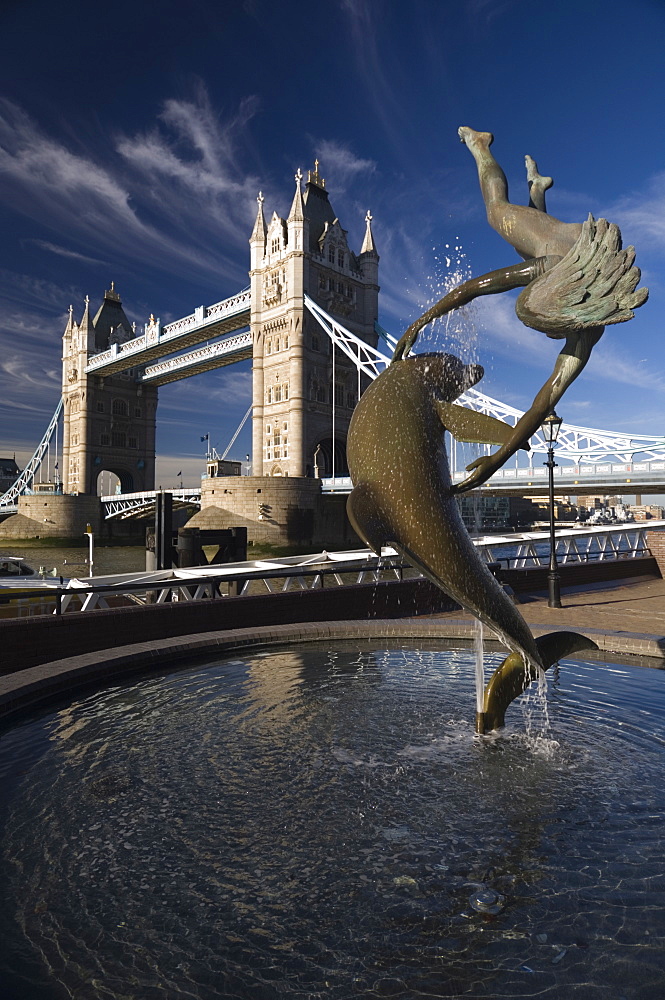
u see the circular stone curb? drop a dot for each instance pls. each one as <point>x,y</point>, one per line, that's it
<point>34,686</point>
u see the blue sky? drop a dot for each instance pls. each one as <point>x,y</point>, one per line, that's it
<point>134,139</point>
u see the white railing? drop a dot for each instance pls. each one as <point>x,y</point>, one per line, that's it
<point>335,569</point>
<point>211,351</point>
<point>210,314</point>
<point>156,334</point>
<point>573,545</point>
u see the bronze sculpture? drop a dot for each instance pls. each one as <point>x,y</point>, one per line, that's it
<point>576,279</point>
<point>402,497</point>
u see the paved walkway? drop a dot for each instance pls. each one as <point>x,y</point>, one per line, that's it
<point>629,614</point>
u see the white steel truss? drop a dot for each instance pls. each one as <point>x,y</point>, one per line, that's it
<point>125,505</point>
<point>575,444</point>
<point>26,480</point>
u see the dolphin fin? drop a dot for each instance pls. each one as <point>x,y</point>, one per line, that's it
<point>514,676</point>
<point>468,425</point>
<point>364,513</point>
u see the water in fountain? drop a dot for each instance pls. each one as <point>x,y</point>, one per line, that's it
<point>478,652</point>
<point>320,823</point>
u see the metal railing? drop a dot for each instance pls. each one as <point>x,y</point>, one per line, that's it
<point>337,569</point>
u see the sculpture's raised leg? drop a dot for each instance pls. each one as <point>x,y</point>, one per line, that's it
<point>529,229</point>
<point>538,185</point>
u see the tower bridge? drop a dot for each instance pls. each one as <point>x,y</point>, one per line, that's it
<point>309,322</point>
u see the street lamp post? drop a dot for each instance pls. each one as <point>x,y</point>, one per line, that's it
<point>550,427</point>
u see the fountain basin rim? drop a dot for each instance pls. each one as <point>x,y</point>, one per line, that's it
<point>33,687</point>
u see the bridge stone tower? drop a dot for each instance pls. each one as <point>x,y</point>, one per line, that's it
<point>109,423</point>
<point>303,394</point>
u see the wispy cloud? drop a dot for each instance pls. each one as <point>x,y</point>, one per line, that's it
<point>64,252</point>
<point>641,215</point>
<point>340,163</point>
<point>176,196</point>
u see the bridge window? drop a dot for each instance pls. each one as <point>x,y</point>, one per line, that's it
<point>350,400</point>
<point>340,258</point>
<point>285,390</point>
<point>331,254</point>
<point>315,343</point>
<point>277,393</point>
<point>269,395</point>
<point>137,411</point>
<point>132,442</point>
<point>100,407</point>
<point>276,344</point>
<point>322,280</point>
<point>339,395</point>
<point>119,439</point>
<point>268,346</point>
<point>104,440</point>
<point>275,244</point>
<point>286,342</point>
<point>120,407</point>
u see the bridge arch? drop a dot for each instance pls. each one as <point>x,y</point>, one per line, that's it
<point>324,450</point>
<point>108,475</point>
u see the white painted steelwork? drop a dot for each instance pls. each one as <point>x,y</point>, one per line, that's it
<point>222,352</point>
<point>222,317</point>
<point>24,483</point>
<point>126,505</point>
<point>603,457</point>
<point>521,550</point>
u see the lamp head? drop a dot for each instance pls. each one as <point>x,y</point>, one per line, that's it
<point>550,427</point>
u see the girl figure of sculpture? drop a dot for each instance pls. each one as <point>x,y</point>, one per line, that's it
<point>577,279</point>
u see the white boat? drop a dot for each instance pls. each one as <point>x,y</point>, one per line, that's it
<point>17,576</point>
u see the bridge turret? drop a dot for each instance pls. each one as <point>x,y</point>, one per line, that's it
<point>108,423</point>
<point>303,396</point>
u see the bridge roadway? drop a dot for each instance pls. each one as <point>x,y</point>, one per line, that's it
<point>635,478</point>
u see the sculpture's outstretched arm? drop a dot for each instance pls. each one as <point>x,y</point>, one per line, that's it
<point>515,276</point>
<point>568,365</point>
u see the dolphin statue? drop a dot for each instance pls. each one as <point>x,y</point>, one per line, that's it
<point>403,497</point>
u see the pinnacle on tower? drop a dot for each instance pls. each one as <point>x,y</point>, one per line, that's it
<point>260,230</point>
<point>314,177</point>
<point>70,322</point>
<point>297,213</point>
<point>86,326</point>
<point>368,243</point>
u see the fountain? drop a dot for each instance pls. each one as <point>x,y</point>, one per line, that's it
<point>315,821</point>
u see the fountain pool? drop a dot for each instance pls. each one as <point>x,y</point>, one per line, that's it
<point>320,822</point>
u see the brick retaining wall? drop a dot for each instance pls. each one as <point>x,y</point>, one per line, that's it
<point>26,642</point>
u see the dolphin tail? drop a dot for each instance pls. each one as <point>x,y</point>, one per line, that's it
<point>514,676</point>
<point>364,513</point>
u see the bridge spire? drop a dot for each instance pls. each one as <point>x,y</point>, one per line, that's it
<point>260,229</point>
<point>368,243</point>
<point>297,213</point>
